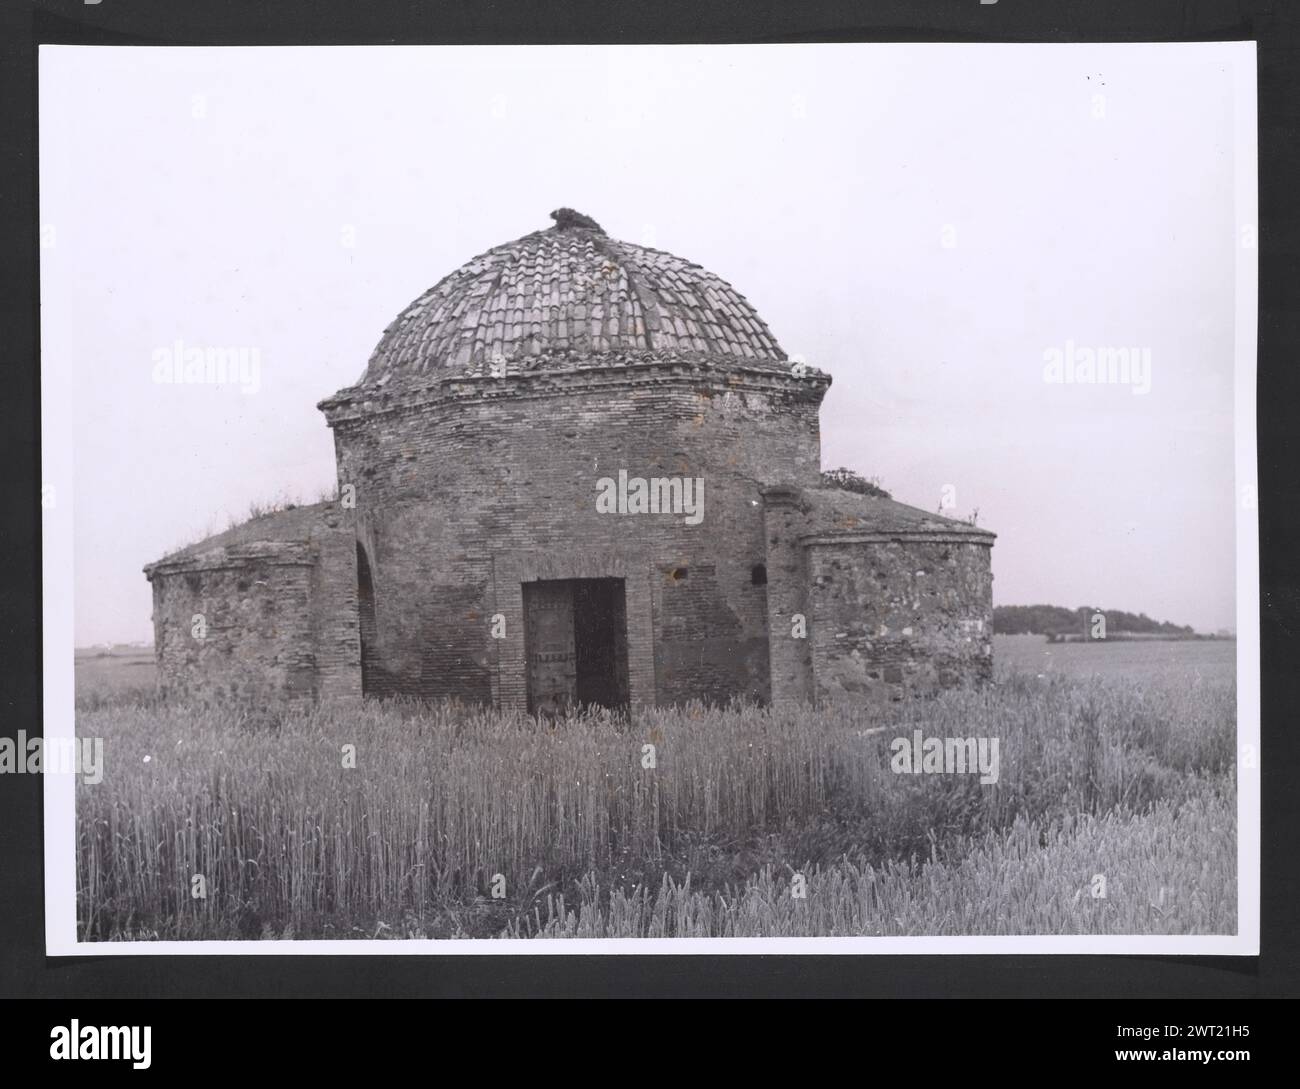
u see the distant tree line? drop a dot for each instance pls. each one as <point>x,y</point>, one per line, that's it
<point>1057,620</point>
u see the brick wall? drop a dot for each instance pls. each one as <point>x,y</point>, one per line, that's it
<point>336,638</point>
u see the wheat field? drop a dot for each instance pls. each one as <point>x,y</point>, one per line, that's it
<point>447,821</point>
<point>374,820</point>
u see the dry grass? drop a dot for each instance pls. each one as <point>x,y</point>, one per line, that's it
<point>1171,871</point>
<point>292,843</point>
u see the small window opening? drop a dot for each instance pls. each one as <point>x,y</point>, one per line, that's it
<point>679,573</point>
<point>758,574</point>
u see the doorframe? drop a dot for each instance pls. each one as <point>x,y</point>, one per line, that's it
<point>561,594</point>
<point>511,569</point>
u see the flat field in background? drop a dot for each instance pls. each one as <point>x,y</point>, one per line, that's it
<point>108,671</point>
<point>1117,761</point>
<point>1144,661</point>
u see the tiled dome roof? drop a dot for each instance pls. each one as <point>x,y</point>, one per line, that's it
<point>570,291</point>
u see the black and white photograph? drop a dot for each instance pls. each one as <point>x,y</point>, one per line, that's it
<point>789,498</point>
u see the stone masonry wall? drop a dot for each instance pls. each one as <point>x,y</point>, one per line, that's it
<point>279,619</point>
<point>899,617</point>
<point>510,466</point>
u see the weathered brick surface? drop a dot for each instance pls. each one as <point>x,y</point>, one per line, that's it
<point>336,637</point>
<point>787,601</point>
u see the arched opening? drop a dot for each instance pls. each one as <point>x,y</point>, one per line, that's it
<point>758,575</point>
<point>366,621</point>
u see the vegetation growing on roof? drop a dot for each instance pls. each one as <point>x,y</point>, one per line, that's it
<point>849,481</point>
<point>567,217</point>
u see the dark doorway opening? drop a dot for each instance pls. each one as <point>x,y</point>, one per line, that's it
<point>600,640</point>
<point>575,633</point>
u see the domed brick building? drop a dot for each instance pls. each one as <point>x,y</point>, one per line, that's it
<point>578,471</point>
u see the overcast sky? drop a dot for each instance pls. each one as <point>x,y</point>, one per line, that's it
<point>926,223</point>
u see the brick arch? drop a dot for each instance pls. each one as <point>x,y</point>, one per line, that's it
<point>371,669</point>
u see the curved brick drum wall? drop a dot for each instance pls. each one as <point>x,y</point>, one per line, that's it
<point>461,500</point>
